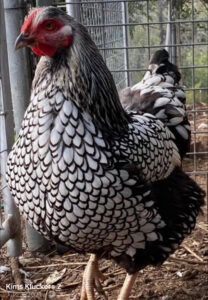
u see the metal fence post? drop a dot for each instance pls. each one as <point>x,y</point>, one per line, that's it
<point>171,32</point>
<point>18,61</point>
<point>20,82</point>
<point>168,30</point>
<point>73,9</point>
<point>125,41</point>
<point>11,229</point>
<point>4,74</point>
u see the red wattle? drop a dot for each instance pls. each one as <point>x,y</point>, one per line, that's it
<point>44,50</point>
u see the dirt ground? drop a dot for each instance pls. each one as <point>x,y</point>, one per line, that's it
<point>183,276</point>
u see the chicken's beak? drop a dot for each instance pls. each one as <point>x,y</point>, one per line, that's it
<point>22,41</point>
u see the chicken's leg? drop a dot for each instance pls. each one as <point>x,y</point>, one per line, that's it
<point>91,279</point>
<point>127,286</point>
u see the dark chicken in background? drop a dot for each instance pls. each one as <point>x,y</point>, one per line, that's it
<point>159,93</point>
<point>90,174</point>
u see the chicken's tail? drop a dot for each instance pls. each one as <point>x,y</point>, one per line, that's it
<point>160,94</point>
<point>178,200</point>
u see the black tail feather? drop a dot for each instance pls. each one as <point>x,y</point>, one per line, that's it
<point>161,57</point>
<point>178,200</point>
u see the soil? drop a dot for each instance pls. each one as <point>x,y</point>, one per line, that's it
<point>183,276</point>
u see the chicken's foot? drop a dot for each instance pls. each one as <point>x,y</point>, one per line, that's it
<point>91,280</point>
<point>127,286</point>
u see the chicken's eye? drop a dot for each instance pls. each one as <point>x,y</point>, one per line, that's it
<point>50,26</point>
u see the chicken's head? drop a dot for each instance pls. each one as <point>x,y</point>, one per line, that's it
<point>46,31</point>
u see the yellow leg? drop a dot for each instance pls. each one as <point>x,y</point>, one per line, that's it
<point>91,279</point>
<point>127,286</point>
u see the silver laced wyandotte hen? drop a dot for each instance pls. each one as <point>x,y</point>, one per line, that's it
<point>87,172</point>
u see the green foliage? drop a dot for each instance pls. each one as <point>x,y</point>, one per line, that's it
<point>186,33</point>
<point>184,9</point>
<point>197,77</point>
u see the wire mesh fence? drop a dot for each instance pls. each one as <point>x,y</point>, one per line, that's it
<point>109,39</point>
<point>128,32</point>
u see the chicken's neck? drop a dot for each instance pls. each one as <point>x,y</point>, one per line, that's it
<point>86,81</point>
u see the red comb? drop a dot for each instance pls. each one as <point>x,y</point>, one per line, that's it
<point>28,21</point>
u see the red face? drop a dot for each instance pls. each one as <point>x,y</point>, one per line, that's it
<point>44,37</point>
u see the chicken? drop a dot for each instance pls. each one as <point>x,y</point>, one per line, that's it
<point>159,93</point>
<point>87,173</point>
